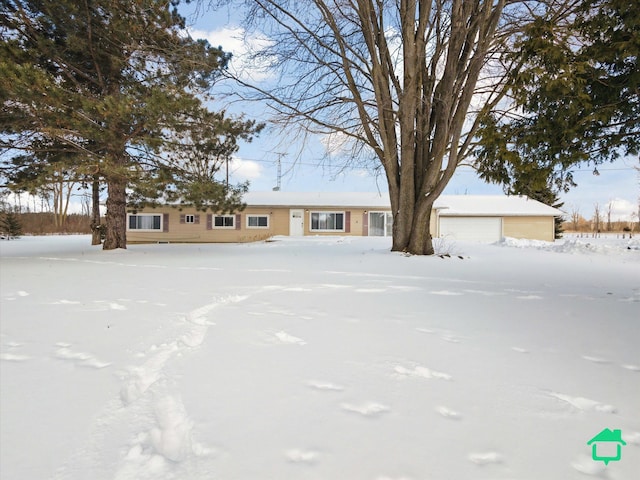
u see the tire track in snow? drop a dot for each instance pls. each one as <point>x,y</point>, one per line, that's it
<point>153,419</point>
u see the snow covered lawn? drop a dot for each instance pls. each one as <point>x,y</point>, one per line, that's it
<point>317,358</point>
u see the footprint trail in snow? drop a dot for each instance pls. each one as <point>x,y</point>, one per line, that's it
<point>151,417</point>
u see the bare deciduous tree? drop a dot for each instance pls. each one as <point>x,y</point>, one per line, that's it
<point>575,217</point>
<point>597,218</point>
<point>403,81</point>
<point>609,211</point>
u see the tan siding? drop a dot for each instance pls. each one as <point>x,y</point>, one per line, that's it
<point>433,223</point>
<point>279,221</point>
<point>252,234</point>
<point>174,230</point>
<point>198,233</point>
<point>531,228</point>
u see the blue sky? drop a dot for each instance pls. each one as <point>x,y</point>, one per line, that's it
<point>308,170</point>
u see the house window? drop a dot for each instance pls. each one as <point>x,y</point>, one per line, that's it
<point>380,224</point>
<point>258,221</point>
<point>192,219</point>
<point>224,221</point>
<point>143,221</point>
<point>327,221</point>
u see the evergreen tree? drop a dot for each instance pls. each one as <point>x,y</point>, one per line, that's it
<point>122,84</point>
<point>575,99</point>
<point>10,225</point>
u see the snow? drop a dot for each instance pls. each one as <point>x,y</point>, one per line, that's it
<point>449,205</point>
<point>318,199</point>
<point>318,358</point>
<point>493,205</point>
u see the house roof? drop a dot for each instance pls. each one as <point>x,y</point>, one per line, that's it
<point>317,199</point>
<point>448,205</point>
<point>493,205</point>
<point>608,435</point>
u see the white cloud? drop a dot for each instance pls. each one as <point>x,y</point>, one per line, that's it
<point>235,41</point>
<point>336,143</point>
<point>622,209</point>
<point>242,170</point>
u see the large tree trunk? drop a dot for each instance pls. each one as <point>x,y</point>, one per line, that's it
<point>421,242</point>
<point>116,219</point>
<point>96,227</point>
<point>401,220</point>
<point>412,233</point>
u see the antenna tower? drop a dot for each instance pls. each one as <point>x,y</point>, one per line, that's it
<point>279,178</point>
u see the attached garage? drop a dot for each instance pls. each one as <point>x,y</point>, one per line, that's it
<point>479,229</point>
<point>490,218</point>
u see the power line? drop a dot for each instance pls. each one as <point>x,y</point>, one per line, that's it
<point>605,169</point>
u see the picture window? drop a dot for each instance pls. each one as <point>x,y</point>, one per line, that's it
<point>145,222</point>
<point>327,221</point>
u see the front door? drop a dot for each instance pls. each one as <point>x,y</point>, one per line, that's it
<point>296,223</point>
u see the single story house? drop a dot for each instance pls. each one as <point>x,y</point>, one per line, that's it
<point>461,217</point>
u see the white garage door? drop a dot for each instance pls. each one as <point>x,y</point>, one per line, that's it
<point>477,229</point>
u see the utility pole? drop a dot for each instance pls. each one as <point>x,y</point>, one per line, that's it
<point>227,168</point>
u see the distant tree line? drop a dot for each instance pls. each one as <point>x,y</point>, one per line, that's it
<point>601,220</point>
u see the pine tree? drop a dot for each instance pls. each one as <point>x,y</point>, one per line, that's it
<point>120,83</point>
<point>10,225</point>
<point>575,99</point>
